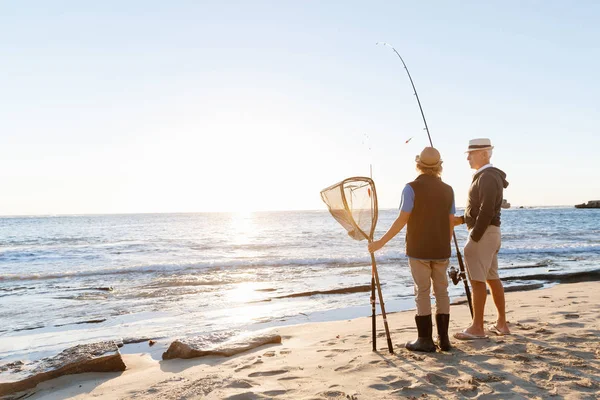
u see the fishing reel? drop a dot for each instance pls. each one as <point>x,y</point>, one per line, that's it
<point>455,275</point>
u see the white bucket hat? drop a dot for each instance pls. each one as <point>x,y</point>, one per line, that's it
<point>479,144</point>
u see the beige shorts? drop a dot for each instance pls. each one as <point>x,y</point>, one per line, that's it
<point>481,258</point>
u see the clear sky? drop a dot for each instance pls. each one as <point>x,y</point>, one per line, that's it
<point>168,106</point>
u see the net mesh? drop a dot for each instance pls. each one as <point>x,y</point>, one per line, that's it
<point>353,203</point>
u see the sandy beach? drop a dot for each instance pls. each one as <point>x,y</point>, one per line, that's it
<point>554,352</point>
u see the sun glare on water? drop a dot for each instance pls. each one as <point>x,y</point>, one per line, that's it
<point>245,292</point>
<point>242,227</point>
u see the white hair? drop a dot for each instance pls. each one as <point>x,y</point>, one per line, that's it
<point>490,152</point>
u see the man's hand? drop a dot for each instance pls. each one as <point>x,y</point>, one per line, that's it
<point>459,220</point>
<point>374,246</point>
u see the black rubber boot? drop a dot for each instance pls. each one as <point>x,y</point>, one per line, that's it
<point>424,342</point>
<point>441,322</point>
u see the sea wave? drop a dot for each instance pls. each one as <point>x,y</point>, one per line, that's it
<point>549,249</point>
<point>203,266</point>
<point>207,266</point>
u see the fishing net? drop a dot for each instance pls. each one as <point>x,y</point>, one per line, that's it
<point>353,203</point>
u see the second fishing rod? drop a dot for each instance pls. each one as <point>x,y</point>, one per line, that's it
<point>456,276</point>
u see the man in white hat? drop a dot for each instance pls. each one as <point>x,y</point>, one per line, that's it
<point>427,206</point>
<point>482,216</point>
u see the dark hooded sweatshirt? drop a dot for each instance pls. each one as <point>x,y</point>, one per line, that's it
<point>485,199</point>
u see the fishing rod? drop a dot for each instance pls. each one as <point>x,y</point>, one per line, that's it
<point>373,298</point>
<point>374,275</point>
<point>454,275</point>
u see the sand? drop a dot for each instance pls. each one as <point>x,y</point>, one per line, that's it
<point>554,352</point>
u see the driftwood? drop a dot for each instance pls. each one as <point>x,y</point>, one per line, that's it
<point>93,357</point>
<point>191,348</point>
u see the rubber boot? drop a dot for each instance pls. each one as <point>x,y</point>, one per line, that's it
<point>424,342</point>
<point>441,322</point>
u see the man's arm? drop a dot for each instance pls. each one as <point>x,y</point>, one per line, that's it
<point>393,231</point>
<point>458,220</point>
<point>488,189</point>
<point>451,216</point>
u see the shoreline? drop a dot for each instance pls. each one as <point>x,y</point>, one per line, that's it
<point>399,304</point>
<point>552,352</point>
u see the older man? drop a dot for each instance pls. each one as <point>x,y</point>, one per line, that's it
<point>482,216</point>
<point>427,206</point>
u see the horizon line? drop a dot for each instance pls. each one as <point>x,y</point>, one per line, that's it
<point>226,212</point>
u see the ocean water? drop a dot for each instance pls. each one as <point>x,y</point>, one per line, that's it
<point>66,280</point>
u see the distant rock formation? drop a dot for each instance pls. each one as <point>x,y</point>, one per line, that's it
<point>589,204</point>
<point>192,347</point>
<point>93,357</point>
<point>505,204</point>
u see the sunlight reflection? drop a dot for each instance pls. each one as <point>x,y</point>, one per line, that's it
<point>242,227</point>
<point>245,292</point>
<point>250,302</point>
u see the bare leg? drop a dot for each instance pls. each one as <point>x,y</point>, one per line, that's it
<point>479,297</point>
<point>498,295</point>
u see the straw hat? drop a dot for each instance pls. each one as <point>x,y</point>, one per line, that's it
<point>479,144</point>
<point>429,158</point>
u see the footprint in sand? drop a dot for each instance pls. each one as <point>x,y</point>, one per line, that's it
<point>572,324</point>
<point>347,366</point>
<point>530,320</point>
<point>248,366</point>
<point>464,387</point>
<point>245,396</point>
<point>524,327</point>
<point>335,352</point>
<point>416,390</point>
<point>288,378</point>
<point>586,383</point>
<point>522,358</point>
<point>400,383</point>
<point>379,386</point>
<point>269,354</point>
<point>449,371</point>
<point>333,394</point>
<point>562,378</point>
<point>516,348</point>
<point>436,379</point>
<point>571,316</point>
<point>275,392</point>
<point>410,354</point>
<point>240,384</point>
<point>487,378</point>
<point>572,340</point>
<point>343,368</point>
<point>541,375</point>
<point>268,373</point>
